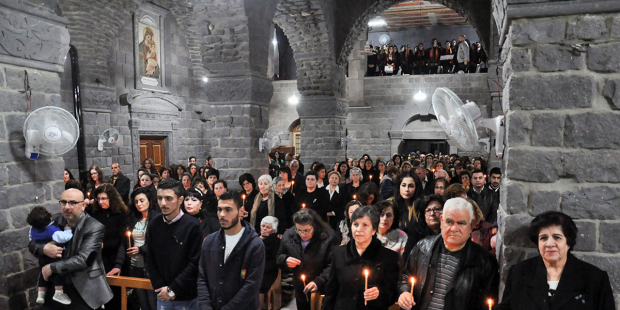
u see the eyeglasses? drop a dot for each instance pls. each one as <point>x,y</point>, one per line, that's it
<point>304,232</point>
<point>71,203</point>
<point>434,210</point>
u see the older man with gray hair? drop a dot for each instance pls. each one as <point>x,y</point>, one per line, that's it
<point>450,271</point>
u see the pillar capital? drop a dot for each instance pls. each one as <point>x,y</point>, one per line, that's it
<point>247,88</point>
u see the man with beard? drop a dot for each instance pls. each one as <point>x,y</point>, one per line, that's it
<point>232,261</point>
<point>173,240</point>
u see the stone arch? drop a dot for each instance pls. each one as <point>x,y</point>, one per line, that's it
<point>307,26</point>
<point>476,12</point>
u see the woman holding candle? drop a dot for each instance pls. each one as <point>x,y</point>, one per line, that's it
<point>264,204</point>
<point>306,250</point>
<point>347,287</point>
<point>110,210</point>
<point>284,197</point>
<point>141,210</point>
<point>337,199</point>
<point>556,279</point>
<point>356,181</point>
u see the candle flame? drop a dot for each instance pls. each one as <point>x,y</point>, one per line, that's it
<point>303,277</point>
<point>366,272</point>
<point>371,177</point>
<point>243,196</point>
<point>490,301</point>
<point>129,234</point>
<point>354,197</point>
<point>412,281</point>
<point>293,182</point>
<point>303,205</point>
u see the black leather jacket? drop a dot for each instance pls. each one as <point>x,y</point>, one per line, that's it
<point>476,280</point>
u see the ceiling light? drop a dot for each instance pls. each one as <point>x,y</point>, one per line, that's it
<point>293,100</point>
<point>377,22</point>
<point>419,96</point>
<point>275,41</point>
<point>205,79</point>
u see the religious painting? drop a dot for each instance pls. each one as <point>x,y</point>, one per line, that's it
<point>149,40</point>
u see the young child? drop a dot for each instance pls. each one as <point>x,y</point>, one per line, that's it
<point>43,231</point>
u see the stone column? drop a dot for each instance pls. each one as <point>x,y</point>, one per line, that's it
<point>323,121</point>
<point>561,103</point>
<point>358,62</point>
<point>240,111</point>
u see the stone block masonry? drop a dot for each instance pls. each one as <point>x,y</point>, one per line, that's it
<point>562,147</point>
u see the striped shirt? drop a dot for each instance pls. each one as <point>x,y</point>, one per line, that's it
<point>446,271</point>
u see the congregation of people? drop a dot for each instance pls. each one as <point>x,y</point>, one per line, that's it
<point>413,233</point>
<point>453,57</point>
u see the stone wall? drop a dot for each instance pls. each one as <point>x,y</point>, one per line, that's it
<point>281,112</point>
<point>561,95</point>
<point>24,183</point>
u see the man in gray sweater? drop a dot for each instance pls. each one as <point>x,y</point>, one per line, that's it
<point>462,55</point>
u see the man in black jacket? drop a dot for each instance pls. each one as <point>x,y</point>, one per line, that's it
<point>121,182</point>
<point>173,239</point>
<point>232,261</point>
<point>450,271</point>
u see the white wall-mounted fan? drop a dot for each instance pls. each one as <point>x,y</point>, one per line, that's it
<point>50,131</point>
<point>460,121</point>
<point>109,138</point>
<point>273,137</point>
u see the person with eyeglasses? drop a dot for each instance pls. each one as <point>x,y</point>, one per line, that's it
<point>440,186</point>
<point>86,284</point>
<point>306,250</point>
<point>433,208</point>
<point>110,210</point>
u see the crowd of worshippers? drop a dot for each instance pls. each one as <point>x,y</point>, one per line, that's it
<point>415,233</point>
<point>452,57</point>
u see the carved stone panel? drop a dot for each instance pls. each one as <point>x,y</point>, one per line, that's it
<point>152,105</point>
<point>241,89</point>
<point>32,38</point>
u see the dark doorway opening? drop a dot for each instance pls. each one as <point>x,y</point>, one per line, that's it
<point>425,146</point>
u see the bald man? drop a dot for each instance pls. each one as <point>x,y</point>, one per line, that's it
<point>121,182</point>
<point>81,258</point>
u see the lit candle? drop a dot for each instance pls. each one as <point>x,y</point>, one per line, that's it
<point>243,197</point>
<point>129,238</point>
<point>380,177</point>
<point>412,285</point>
<point>88,194</point>
<point>371,177</point>
<point>490,301</point>
<point>366,276</point>
<point>303,205</point>
<point>292,185</point>
<point>303,278</point>
<point>354,197</point>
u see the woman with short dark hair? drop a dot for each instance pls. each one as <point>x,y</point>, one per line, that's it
<point>248,184</point>
<point>432,207</point>
<point>556,279</point>
<point>193,205</point>
<point>346,288</point>
<point>306,250</point>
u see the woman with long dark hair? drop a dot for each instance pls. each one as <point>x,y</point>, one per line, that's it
<point>407,196</point>
<point>143,207</point>
<point>149,165</point>
<point>110,210</point>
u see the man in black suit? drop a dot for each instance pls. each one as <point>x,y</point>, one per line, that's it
<point>81,258</point>
<point>121,182</point>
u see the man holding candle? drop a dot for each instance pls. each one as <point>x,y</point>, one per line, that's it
<point>450,271</point>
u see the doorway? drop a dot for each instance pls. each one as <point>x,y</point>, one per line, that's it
<point>425,146</point>
<point>155,148</point>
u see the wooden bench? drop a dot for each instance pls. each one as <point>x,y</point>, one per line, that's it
<point>128,282</point>
<point>274,296</point>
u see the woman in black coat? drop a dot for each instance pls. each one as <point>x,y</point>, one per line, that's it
<point>306,250</point>
<point>556,279</point>
<point>346,288</point>
<point>193,205</point>
<point>268,233</point>
<point>110,210</point>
